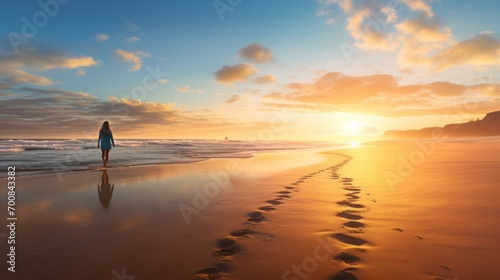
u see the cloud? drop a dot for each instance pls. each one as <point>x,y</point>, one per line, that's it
<point>44,60</point>
<point>188,89</point>
<point>266,79</point>
<point>390,14</point>
<point>425,29</point>
<point>13,77</point>
<point>33,112</point>
<point>380,94</point>
<point>330,21</point>
<point>51,109</point>
<point>81,72</point>
<point>15,67</point>
<point>102,37</point>
<point>323,12</point>
<point>130,26</point>
<point>421,40</point>
<point>345,5</point>
<point>364,22</point>
<point>257,53</point>
<point>236,73</point>
<point>419,5</point>
<point>480,50</point>
<point>133,39</point>
<point>235,98</point>
<point>130,57</point>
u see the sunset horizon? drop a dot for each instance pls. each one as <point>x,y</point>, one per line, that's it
<point>366,68</point>
<point>250,139</point>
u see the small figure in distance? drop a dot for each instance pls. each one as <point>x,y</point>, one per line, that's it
<point>104,142</point>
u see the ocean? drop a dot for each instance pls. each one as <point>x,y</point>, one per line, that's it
<point>50,156</point>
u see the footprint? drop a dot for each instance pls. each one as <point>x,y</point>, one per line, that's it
<point>349,216</point>
<point>224,265</point>
<point>354,224</point>
<point>447,268</point>
<point>284,196</point>
<point>398,229</point>
<point>246,233</point>
<point>227,247</point>
<point>209,270</point>
<point>343,276</point>
<point>267,208</point>
<point>346,258</point>
<point>225,243</point>
<point>355,205</point>
<point>224,252</point>
<point>274,202</point>
<point>289,188</point>
<point>241,232</point>
<point>284,192</point>
<point>351,240</point>
<point>256,217</point>
<point>350,204</point>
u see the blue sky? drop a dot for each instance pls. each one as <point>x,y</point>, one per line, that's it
<point>101,51</point>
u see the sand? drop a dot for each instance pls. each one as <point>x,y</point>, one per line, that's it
<point>383,211</point>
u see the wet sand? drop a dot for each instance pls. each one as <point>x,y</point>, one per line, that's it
<point>351,214</point>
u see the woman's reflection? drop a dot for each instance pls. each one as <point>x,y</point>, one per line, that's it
<point>105,190</point>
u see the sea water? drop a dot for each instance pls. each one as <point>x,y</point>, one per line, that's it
<point>49,156</point>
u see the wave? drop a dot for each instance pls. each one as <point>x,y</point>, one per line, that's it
<point>28,145</point>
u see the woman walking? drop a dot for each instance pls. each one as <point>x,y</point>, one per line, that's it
<point>104,141</point>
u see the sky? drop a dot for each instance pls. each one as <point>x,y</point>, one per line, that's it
<point>327,70</point>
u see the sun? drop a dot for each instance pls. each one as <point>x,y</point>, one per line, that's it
<point>353,127</point>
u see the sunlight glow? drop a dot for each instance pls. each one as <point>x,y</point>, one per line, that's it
<point>353,127</point>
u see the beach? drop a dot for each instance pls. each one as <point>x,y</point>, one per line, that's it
<point>385,210</point>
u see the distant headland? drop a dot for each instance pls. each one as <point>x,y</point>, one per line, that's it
<point>488,126</point>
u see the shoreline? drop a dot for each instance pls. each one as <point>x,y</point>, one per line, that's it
<point>327,214</point>
<point>18,173</point>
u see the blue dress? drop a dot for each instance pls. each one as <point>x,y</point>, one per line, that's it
<point>105,140</point>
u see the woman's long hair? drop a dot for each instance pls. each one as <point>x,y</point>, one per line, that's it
<point>105,129</point>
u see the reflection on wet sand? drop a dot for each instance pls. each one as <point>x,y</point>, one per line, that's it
<point>105,190</point>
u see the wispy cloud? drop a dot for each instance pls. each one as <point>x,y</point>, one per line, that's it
<point>64,113</point>
<point>102,37</point>
<point>266,79</point>
<point>81,72</point>
<point>133,39</point>
<point>188,89</point>
<point>233,99</point>
<point>381,94</point>
<point>481,50</point>
<point>15,67</point>
<point>130,26</point>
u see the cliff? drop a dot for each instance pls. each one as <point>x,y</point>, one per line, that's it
<point>488,126</point>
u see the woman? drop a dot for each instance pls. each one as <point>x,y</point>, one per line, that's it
<point>105,140</point>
